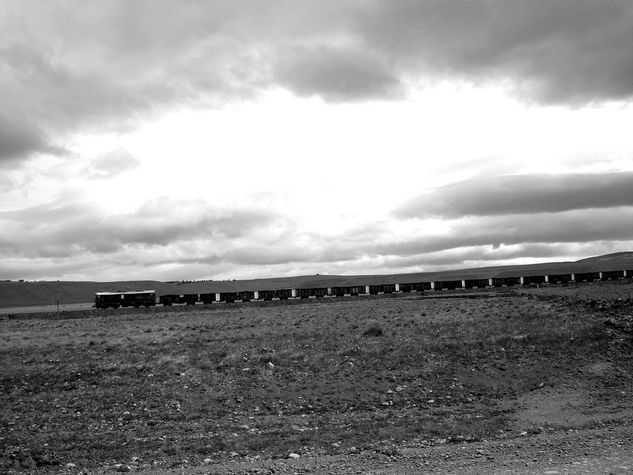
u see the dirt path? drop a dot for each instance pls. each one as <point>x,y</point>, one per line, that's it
<point>589,451</point>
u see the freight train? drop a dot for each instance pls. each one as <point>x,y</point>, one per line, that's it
<point>147,298</point>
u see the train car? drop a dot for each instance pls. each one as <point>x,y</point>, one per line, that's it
<point>207,298</point>
<point>448,284</point>
<point>246,295</point>
<point>283,294</point>
<point>414,287</point>
<point>376,289</point>
<point>228,297</point>
<point>355,290</point>
<point>505,281</point>
<point>304,293</point>
<point>476,283</point>
<point>311,293</point>
<point>352,291</point>
<point>612,275</point>
<point>169,300</point>
<point>182,299</point>
<point>534,280</point>
<point>190,299</point>
<point>266,294</point>
<point>586,276</point>
<point>388,288</point>
<point>133,298</point>
<point>559,278</point>
<point>319,292</point>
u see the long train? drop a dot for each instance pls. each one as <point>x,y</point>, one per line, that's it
<point>147,298</point>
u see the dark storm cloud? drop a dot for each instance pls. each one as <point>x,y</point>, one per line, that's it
<point>67,67</point>
<point>574,226</point>
<point>524,194</point>
<point>336,74</point>
<point>64,231</point>
<point>19,138</point>
<point>557,51</point>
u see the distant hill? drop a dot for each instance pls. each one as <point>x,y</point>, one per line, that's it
<point>17,294</point>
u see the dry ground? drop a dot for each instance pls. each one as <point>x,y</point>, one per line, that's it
<point>518,380</point>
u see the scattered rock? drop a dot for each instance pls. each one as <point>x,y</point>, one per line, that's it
<point>292,455</point>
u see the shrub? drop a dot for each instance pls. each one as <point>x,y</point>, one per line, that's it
<point>373,328</point>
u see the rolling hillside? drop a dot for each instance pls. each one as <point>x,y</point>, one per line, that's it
<point>16,294</point>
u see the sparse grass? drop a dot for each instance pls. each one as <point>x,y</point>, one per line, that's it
<point>268,380</point>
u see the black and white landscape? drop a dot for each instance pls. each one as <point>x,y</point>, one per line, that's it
<point>192,140</point>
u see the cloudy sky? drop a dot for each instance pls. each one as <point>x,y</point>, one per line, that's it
<point>237,139</point>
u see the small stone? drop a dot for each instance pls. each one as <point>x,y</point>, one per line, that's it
<point>293,455</point>
<point>208,460</point>
<point>70,465</point>
<point>399,389</point>
<point>270,364</point>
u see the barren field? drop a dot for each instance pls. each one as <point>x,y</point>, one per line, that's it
<point>519,380</point>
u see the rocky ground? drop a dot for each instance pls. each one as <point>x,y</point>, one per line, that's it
<point>518,381</point>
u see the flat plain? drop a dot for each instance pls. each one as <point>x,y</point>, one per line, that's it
<point>506,380</point>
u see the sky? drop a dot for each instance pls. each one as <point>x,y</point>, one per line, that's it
<point>191,140</point>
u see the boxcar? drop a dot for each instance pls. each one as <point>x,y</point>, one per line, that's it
<point>388,288</point>
<point>283,294</point>
<point>413,287</point>
<point>505,281</point>
<point>534,280</point>
<point>476,283</point>
<point>376,289</point>
<point>246,295</point>
<point>170,299</point>
<point>304,293</point>
<point>559,278</point>
<point>612,275</point>
<point>319,292</point>
<point>228,297</point>
<point>207,298</point>
<point>352,290</point>
<point>266,294</point>
<point>448,284</point>
<point>587,276</point>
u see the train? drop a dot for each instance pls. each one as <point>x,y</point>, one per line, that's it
<point>148,298</point>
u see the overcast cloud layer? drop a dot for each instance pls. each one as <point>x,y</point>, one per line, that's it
<point>70,65</point>
<point>524,194</point>
<point>95,189</point>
